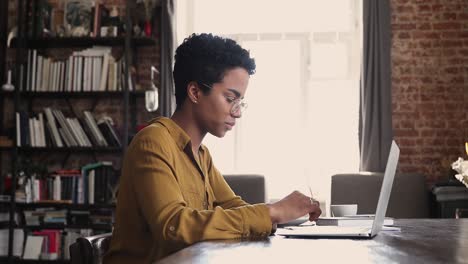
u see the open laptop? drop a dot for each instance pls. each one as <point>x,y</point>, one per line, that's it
<point>355,232</point>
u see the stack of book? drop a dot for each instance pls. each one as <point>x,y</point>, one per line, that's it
<point>95,183</point>
<point>52,128</point>
<point>51,244</point>
<point>90,70</point>
<point>41,216</point>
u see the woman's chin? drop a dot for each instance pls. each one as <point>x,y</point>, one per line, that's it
<point>219,134</point>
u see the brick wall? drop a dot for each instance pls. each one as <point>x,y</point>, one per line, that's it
<point>430,84</point>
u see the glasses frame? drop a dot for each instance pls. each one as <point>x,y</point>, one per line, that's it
<point>237,104</point>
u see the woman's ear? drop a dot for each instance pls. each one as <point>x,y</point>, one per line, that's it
<point>193,92</point>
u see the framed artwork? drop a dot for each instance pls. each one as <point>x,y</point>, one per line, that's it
<point>78,17</point>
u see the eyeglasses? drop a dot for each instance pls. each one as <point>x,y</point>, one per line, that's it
<point>238,105</point>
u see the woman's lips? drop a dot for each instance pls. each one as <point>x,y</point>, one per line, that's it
<point>230,125</point>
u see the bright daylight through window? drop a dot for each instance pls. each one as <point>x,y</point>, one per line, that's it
<point>301,126</point>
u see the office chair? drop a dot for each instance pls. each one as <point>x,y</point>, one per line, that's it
<point>90,250</point>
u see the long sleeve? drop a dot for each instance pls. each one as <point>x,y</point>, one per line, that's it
<point>167,200</point>
<point>158,192</point>
<point>224,195</point>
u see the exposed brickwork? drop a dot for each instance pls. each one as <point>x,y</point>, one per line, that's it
<point>430,83</point>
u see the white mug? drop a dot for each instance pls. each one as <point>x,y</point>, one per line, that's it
<point>340,210</point>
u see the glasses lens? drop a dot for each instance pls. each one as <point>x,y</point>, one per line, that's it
<point>243,106</point>
<point>238,108</point>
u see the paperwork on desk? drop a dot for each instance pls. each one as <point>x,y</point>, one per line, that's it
<point>358,220</point>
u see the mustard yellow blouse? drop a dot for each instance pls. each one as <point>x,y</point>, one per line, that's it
<point>168,200</point>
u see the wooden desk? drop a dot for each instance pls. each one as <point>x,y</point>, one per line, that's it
<point>420,241</point>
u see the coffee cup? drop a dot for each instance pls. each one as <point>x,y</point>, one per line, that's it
<point>340,210</point>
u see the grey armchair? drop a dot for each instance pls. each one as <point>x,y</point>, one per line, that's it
<point>250,187</point>
<point>409,197</point>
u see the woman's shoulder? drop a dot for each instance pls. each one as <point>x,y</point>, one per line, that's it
<point>154,129</point>
<point>154,135</point>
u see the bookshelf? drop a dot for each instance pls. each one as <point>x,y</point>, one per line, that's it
<point>63,149</point>
<point>26,261</point>
<point>76,42</point>
<point>26,100</point>
<point>74,95</point>
<point>65,206</point>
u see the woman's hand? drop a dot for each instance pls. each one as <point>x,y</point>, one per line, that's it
<point>292,207</point>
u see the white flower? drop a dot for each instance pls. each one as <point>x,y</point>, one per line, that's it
<point>463,179</point>
<point>460,166</point>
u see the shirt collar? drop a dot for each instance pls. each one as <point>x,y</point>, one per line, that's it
<point>177,133</point>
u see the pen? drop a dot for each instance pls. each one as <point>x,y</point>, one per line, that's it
<point>312,200</point>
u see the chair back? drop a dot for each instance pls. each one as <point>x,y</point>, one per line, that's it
<point>250,187</point>
<point>90,250</point>
<point>409,197</point>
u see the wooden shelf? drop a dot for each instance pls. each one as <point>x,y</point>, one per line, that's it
<point>4,259</point>
<point>101,227</point>
<point>60,261</point>
<point>68,95</point>
<point>74,42</point>
<point>61,205</point>
<point>6,148</point>
<point>68,149</point>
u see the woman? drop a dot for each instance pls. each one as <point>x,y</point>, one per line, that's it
<point>171,195</point>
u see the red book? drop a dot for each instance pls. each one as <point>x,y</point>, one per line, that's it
<point>67,172</point>
<point>53,242</point>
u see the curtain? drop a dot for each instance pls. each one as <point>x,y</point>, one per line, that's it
<point>375,120</point>
<point>168,40</point>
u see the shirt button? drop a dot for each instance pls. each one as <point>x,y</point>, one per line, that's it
<point>172,228</point>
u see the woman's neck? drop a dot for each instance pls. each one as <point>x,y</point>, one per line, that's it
<point>189,125</point>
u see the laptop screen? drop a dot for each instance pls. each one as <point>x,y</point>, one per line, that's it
<point>386,189</point>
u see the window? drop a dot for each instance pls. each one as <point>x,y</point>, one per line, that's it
<point>301,126</point>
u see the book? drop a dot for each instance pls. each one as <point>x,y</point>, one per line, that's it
<point>28,74</point>
<point>358,220</point>
<point>84,197</point>
<point>32,249</point>
<point>18,242</point>
<point>18,130</point>
<point>96,133</point>
<point>33,84</point>
<point>108,132</point>
<point>104,72</point>
<point>53,127</point>
<point>52,243</point>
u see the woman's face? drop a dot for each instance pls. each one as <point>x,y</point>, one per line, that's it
<point>213,112</point>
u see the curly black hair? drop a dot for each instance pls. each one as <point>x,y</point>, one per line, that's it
<point>205,58</point>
